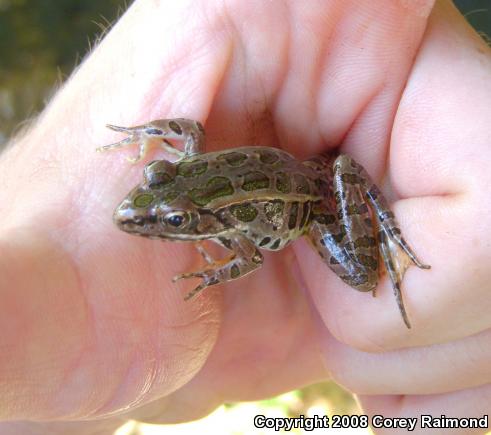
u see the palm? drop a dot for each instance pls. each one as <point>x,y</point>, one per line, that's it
<point>288,77</point>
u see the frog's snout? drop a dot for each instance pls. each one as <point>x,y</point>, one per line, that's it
<point>133,220</point>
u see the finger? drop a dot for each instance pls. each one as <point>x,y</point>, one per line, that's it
<point>443,230</point>
<point>344,85</point>
<point>473,403</point>
<point>435,369</point>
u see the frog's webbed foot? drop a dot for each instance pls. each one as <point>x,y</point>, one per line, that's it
<point>394,249</point>
<point>245,259</point>
<point>158,133</point>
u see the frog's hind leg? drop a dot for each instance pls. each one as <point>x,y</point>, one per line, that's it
<point>344,238</point>
<point>396,253</point>
<point>158,132</point>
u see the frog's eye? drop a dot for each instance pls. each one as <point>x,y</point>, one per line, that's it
<point>177,218</point>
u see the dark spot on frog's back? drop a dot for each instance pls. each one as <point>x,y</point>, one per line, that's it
<point>292,220</point>
<point>283,183</point>
<point>268,157</point>
<point>234,158</point>
<point>192,169</point>
<point>305,214</point>
<point>168,197</point>
<point>301,184</point>
<point>244,212</point>
<point>276,244</point>
<point>159,173</point>
<point>215,188</point>
<point>175,127</point>
<point>255,180</point>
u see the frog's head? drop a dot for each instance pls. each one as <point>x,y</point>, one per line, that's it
<point>164,214</point>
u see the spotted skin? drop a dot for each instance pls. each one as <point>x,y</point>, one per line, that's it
<point>260,197</point>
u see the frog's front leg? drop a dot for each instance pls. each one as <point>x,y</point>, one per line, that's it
<point>245,258</point>
<point>159,132</point>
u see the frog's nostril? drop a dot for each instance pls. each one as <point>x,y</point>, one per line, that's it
<point>124,216</point>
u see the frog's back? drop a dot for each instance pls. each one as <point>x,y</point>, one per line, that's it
<point>220,178</point>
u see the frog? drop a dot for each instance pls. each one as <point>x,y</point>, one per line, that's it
<point>253,198</point>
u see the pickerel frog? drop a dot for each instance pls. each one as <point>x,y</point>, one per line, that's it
<point>260,197</point>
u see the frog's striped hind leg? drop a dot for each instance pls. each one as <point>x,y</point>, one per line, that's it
<point>344,238</point>
<point>158,132</point>
<point>245,258</point>
<point>396,253</point>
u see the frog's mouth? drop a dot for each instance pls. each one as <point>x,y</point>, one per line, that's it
<point>141,225</point>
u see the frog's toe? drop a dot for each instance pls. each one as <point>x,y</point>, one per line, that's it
<point>183,276</point>
<point>421,265</point>
<point>205,274</point>
<point>208,276</point>
<point>120,128</point>
<point>195,291</point>
<point>134,160</point>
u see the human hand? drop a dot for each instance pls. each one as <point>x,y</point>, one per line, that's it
<point>90,313</point>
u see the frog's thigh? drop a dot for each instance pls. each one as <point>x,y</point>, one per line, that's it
<point>345,241</point>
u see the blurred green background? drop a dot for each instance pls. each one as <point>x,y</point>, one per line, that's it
<point>41,42</point>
